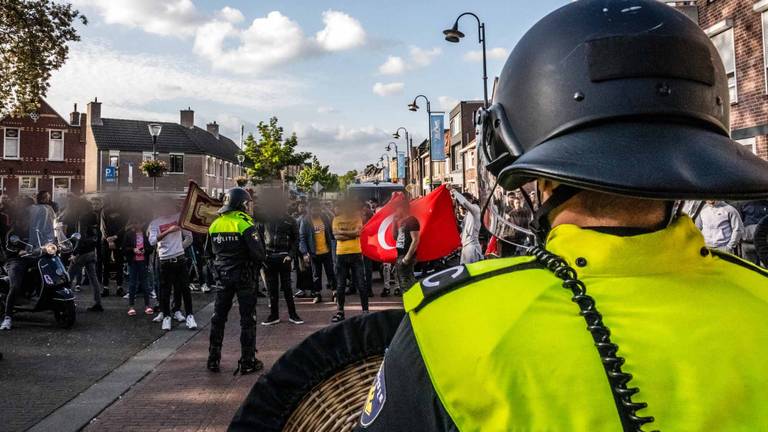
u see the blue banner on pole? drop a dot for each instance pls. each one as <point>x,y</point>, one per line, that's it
<point>437,137</point>
<point>385,170</point>
<point>400,165</point>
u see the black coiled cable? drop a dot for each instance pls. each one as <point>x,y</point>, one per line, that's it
<point>622,394</point>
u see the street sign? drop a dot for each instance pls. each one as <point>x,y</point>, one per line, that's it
<point>317,187</point>
<point>110,174</point>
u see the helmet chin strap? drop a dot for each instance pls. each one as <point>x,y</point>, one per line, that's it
<point>540,224</point>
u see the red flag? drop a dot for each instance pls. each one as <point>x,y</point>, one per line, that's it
<point>439,231</point>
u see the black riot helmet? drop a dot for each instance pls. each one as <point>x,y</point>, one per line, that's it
<point>619,96</point>
<point>235,199</point>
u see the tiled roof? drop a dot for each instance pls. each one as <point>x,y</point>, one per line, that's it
<point>133,135</point>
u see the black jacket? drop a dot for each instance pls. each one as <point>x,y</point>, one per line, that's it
<point>128,243</point>
<point>281,236</point>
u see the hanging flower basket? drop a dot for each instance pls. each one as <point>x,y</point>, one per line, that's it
<point>153,168</point>
<point>241,181</point>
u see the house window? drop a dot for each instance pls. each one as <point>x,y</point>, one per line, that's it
<point>455,158</point>
<point>56,145</point>
<point>765,47</point>
<point>177,163</point>
<point>146,156</point>
<point>724,43</point>
<point>11,143</point>
<point>456,125</point>
<point>114,158</point>
<point>750,143</point>
<point>27,186</point>
<point>60,189</point>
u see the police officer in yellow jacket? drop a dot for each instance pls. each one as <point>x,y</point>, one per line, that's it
<point>237,253</point>
<point>620,318</point>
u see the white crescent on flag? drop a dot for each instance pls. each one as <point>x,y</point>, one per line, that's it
<point>382,235</point>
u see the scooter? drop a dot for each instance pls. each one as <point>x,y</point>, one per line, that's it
<point>47,286</point>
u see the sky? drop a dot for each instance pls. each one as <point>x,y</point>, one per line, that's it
<point>337,73</point>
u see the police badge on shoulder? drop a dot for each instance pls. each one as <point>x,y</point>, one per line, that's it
<point>377,396</point>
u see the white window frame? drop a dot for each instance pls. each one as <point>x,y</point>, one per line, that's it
<point>53,186</point>
<point>110,155</point>
<point>456,124</point>
<point>18,144</point>
<point>720,29</point>
<point>51,155</point>
<point>146,156</point>
<point>764,25</point>
<point>170,156</point>
<point>37,185</point>
<point>749,142</point>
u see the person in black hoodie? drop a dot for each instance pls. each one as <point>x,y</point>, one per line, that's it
<point>80,217</point>
<point>280,232</point>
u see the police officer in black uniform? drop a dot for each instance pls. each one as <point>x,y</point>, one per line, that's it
<point>237,253</point>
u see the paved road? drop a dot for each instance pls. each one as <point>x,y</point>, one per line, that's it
<point>44,366</point>
<point>181,395</point>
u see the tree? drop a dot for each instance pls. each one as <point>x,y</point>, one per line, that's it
<point>347,179</point>
<point>315,172</point>
<point>33,43</point>
<point>272,152</point>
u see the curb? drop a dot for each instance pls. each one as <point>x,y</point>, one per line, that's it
<point>80,410</point>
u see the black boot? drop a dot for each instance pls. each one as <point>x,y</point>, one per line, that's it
<point>248,363</point>
<point>214,359</point>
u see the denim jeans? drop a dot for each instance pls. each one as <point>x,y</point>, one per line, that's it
<point>87,261</point>
<point>277,273</point>
<point>320,263</point>
<point>405,276</point>
<point>137,277</point>
<point>350,265</point>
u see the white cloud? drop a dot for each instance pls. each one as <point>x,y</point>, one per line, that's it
<point>127,83</point>
<point>162,17</point>
<point>393,66</point>
<point>418,58</point>
<point>360,146</point>
<point>388,89</point>
<point>327,110</point>
<point>341,32</point>
<point>492,54</point>
<point>231,14</point>
<point>447,103</point>
<point>423,57</point>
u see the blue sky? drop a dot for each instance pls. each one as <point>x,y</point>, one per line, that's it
<point>338,73</point>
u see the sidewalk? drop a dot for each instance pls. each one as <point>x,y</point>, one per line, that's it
<point>181,395</point>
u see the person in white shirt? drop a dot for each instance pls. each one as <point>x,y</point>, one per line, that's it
<point>170,241</point>
<point>721,226</point>
<point>471,250</point>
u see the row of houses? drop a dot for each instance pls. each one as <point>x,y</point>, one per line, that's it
<point>89,153</point>
<point>739,30</point>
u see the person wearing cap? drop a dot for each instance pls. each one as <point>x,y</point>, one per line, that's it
<point>236,251</point>
<point>620,317</point>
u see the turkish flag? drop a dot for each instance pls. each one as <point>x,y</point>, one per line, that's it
<point>439,232</point>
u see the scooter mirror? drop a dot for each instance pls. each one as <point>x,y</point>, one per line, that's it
<point>76,236</point>
<point>14,239</point>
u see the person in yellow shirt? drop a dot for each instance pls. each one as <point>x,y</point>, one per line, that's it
<point>349,258</point>
<point>315,243</point>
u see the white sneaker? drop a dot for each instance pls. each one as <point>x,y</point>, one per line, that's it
<point>127,296</point>
<point>178,316</point>
<point>166,324</point>
<point>191,324</point>
<point>153,294</point>
<point>205,288</point>
<point>158,318</point>
<point>6,325</point>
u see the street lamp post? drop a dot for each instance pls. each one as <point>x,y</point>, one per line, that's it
<point>154,131</point>
<point>414,107</point>
<point>408,145</point>
<point>240,160</point>
<point>454,35</point>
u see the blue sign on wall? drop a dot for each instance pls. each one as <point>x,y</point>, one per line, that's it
<point>437,136</point>
<point>110,174</point>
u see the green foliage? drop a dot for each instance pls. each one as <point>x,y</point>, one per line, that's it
<point>271,153</point>
<point>33,43</point>
<point>315,172</point>
<point>347,179</point>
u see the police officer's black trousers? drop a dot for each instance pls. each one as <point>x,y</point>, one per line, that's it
<point>246,299</point>
<point>278,276</point>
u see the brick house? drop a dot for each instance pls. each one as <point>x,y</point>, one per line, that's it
<point>739,29</point>
<point>192,153</point>
<point>463,172</point>
<point>42,151</point>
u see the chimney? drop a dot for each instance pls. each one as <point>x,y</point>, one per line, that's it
<point>187,118</point>
<point>94,112</point>
<point>213,129</point>
<point>74,117</point>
